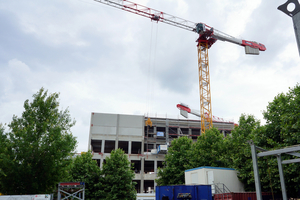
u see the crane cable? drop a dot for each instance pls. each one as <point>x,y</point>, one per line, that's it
<point>151,71</point>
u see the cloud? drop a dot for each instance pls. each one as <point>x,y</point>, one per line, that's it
<point>102,59</point>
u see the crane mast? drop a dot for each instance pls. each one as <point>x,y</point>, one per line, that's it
<point>207,37</point>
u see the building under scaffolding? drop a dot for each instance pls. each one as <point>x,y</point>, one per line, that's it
<point>139,142</point>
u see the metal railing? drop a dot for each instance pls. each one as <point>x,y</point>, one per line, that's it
<point>221,188</point>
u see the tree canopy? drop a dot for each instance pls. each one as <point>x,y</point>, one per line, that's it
<point>176,162</point>
<point>35,153</point>
<point>117,178</point>
<point>84,169</point>
<point>282,129</point>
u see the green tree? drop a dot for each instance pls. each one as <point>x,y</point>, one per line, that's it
<point>238,152</point>
<point>282,129</point>
<point>3,139</point>
<point>208,150</point>
<point>84,169</point>
<point>117,178</point>
<point>36,151</point>
<point>283,119</point>
<point>176,162</point>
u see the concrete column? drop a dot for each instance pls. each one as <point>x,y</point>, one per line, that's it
<point>155,171</point>
<point>102,146</point>
<point>167,132</point>
<point>129,147</point>
<point>142,147</point>
<point>117,132</point>
<point>142,174</point>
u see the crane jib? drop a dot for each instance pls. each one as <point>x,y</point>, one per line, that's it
<point>255,45</point>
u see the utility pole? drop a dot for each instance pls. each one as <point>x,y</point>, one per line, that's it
<point>295,14</point>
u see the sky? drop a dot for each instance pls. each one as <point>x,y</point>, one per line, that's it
<point>102,59</point>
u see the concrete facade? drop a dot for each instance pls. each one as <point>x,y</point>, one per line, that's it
<point>128,132</point>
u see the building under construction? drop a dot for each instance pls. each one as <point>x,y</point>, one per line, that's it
<point>140,142</point>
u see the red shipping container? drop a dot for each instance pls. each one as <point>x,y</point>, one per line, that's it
<point>242,196</point>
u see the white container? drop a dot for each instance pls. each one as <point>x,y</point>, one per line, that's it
<point>145,196</point>
<point>26,197</point>
<point>214,176</point>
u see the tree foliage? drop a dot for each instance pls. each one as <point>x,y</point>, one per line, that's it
<point>282,129</point>
<point>84,169</point>
<point>208,150</point>
<point>35,152</point>
<point>176,162</point>
<point>238,151</point>
<point>117,178</point>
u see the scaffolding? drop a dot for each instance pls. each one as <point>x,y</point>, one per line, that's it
<point>71,190</point>
<point>288,150</point>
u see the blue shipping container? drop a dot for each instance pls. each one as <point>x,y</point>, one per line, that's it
<point>181,192</point>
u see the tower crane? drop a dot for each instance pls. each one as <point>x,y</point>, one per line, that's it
<point>207,37</point>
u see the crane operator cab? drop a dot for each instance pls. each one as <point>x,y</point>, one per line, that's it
<point>200,28</point>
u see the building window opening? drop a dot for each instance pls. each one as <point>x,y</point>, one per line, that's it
<point>98,162</point>
<point>226,133</point>
<point>149,167</point>
<point>184,131</point>
<point>160,164</point>
<point>96,146</point>
<point>173,136</point>
<point>123,145</point>
<point>172,130</point>
<point>136,166</point>
<point>195,133</point>
<point>136,148</point>
<point>137,185</point>
<point>149,186</point>
<point>150,130</point>
<point>148,147</point>
<point>161,129</point>
<point>109,146</point>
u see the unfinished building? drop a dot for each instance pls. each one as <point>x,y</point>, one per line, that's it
<point>129,132</point>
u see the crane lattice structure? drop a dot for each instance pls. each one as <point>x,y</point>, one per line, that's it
<point>207,37</point>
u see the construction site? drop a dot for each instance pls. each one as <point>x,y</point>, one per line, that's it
<point>141,143</point>
<point>145,139</point>
<point>146,145</point>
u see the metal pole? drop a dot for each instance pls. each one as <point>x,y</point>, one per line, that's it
<point>295,14</point>
<point>256,172</point>
<point>284,196</point>
<point>58,193</point>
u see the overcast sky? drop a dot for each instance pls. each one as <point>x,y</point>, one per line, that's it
<point>101,59</point>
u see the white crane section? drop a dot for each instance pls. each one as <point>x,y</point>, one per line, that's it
<point>207,37</point>
<point>159,16</point>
